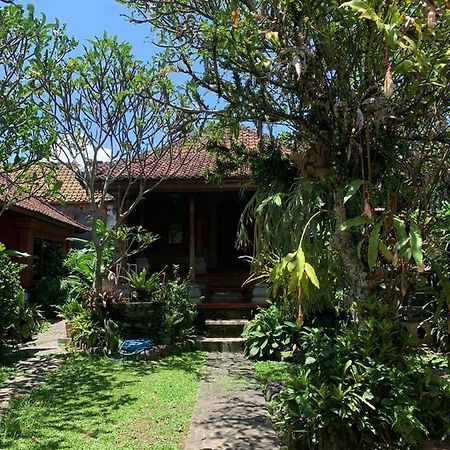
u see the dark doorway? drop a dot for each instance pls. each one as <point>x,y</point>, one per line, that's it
<point>228,215</point>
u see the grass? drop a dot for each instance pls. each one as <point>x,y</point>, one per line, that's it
<point>273,371</point>
<point>94,403</point>
<point>6,372</point>
<point>8,359</point>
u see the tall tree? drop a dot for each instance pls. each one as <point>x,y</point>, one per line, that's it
<point>360,90</point>
<point>111,134</point>
<point>26,131</point>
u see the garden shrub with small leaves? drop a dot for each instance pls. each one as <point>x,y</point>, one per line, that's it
<point>357,387</point>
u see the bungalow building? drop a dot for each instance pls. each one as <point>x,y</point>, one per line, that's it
<point>34,226</point>
<point>196,221</point>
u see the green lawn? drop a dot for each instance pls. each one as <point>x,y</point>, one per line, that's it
<point>98,403</point>
<point>8,359</point>
<point>273,371</point>
<point>6,372</point>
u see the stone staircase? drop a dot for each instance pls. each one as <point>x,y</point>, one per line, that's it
<point>223,319</point>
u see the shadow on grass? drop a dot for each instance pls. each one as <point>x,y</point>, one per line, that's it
<point>82,397</point>
<point>9,356</point>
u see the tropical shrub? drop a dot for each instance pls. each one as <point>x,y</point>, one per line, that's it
<point>70,309</point>
<point>11,293</point>
<point>18,320</point>
<point>344,395</point>
<point>86,330</point>
<point>143,286</point>
<point>380,334</point>
<point>49,293</point>
<point>179,311</point>
<point>268,334</point>
<point>29,322</point>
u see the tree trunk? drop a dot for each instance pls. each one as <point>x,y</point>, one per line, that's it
<point>344,243</point>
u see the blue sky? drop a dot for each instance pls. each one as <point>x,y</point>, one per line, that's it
<point>88,18</point>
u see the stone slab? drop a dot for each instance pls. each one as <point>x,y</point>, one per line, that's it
<point>33,369</point>
<point>230,413</point>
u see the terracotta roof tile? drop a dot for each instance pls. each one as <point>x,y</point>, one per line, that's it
<point>72,191</point>
<point>186,162</point>
<point>41,207</point>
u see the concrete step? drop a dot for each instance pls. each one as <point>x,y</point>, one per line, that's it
<point>243,310</point>
<point>225,327</point>
<point>220,344</point>
<point>226,322</point>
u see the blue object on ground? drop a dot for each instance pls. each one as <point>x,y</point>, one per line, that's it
<point>132,347</point>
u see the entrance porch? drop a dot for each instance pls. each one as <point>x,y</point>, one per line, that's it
<point>197,231</point>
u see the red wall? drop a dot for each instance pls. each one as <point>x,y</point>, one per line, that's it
<point>17,232</point>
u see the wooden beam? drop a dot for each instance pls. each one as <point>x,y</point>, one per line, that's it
<point>192,235</point>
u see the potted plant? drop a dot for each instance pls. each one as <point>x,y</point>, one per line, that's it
<point>143,315</point>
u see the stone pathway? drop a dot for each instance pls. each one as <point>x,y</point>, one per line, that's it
<point>38,362</point>
<point>230,413</point>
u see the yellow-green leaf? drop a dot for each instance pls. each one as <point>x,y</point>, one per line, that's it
<point>312,275</point>
<point>352,188</point>
<point>416,244</point>
<point>304,283</point>
<point>293,282</point>
<point>300,263</point>
<point>355,222</point>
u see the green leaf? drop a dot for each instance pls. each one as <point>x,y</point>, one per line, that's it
<point>310,360</point>
<point>400,228</point>
<point>352,188</point>
<point>388,255</point>
<point>300,263</point>
<point>277,200</point>
<point>312,275</point>
<point>365,11</point>
<point>358,248</point>
<point>416,244</point>
<point>374,240</point>
<point>355,222</point>
<point>17,254</point>
<point>348,365</point>
<point>293,282</point>
<point>304,283</point>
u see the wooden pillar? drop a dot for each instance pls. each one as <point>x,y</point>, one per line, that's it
<point>192,236</point>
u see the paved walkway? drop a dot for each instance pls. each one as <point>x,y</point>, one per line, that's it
<point>230,413</point>
<point>38,362</point>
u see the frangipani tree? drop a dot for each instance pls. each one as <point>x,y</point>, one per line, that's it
<point>112,132</point>
<point>26,131</point>
<point>360,91</point>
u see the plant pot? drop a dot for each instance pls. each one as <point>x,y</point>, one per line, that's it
<point>165,341</point>
<point>259,294</point>
<point>138,319</point>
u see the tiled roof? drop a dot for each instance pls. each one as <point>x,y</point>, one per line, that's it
<point>43,208</point>
<point>185,162</point>
<point>72,191</point>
